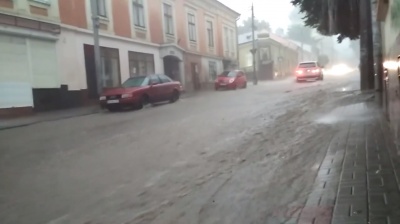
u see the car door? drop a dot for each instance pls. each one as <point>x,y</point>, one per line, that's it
<point>166,87</point>
<point>155,89</point>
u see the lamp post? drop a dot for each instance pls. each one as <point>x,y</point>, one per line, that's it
<point>96,24</point>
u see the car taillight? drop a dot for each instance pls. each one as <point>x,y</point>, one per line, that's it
<point>299,72</point>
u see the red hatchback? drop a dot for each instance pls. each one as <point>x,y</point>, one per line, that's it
<point>309,71</point>
<point>231,80</point>
<point>139,91</point>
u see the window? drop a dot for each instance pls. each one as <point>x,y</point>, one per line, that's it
<point>140,64</point>
<point>101,8</point>
<point>154,79</point>
<point>192,27</point>
<point>307,65</point>
<point>136,82</point>
<point>168,20</point>
<point>249,59</point>
<point>47,2</point>
<point>226,39</point>
<point>210,33</point>
<point>138,13</point>
<point>231,39</point>
<point>212,69</point>
<point>165,79</point>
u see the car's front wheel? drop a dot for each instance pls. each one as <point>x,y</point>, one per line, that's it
<point>174,97</point>
<point>144,101</point>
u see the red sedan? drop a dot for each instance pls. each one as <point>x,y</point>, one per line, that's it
<point>309,71</point>
<point>231,80</point>
<point>141,90</point>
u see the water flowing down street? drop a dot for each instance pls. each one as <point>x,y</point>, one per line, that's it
<point>238,156</point>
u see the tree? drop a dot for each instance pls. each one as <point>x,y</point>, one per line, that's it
<point>296,16</point>
<point>332,17</point>
<point>259,25</point>
<point>280,32</point>
<point>301,33</point>
<point>323,59</point>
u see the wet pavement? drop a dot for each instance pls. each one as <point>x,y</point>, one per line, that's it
<point>357,182</point>
<point>280,152</point>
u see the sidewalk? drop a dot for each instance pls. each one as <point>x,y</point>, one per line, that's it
<point>358,182</point>
<point>47,116</point>
<point>64,114</point>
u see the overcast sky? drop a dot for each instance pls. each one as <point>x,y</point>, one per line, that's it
<point>275,12</point>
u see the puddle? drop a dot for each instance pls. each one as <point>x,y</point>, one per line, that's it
<point>355,113</point>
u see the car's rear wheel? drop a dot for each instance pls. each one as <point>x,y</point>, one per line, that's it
<point>234,87</point>
<point>245,85</point>
<point>174,97</point>
<point>321,77</point>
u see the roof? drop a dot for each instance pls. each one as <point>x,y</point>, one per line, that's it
<point>226,7</point>
<point>306,47</point>
<point>247,37</point>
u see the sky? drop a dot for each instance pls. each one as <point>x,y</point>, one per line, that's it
<point>275,12</point>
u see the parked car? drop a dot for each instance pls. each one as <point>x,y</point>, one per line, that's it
<point>139,91</point>
<point>231,80</point>
<point>309,71</point>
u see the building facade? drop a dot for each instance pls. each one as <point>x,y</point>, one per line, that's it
<point>29,74</point>
<point>388,16</point>
<point>275,57</point>
<point>191,41</point>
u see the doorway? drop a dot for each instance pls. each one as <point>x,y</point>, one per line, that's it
<point>195,76</point>
<point>109,66</point>
<point>171,67</point>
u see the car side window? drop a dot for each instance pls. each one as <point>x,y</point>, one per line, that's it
<point>154,79</point>
<point>165,79</point>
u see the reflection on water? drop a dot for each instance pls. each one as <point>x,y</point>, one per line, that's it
<point>353,112</point>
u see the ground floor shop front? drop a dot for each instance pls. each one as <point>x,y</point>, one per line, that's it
<point>46,74</point>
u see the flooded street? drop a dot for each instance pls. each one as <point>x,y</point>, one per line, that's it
<point>243,156</point>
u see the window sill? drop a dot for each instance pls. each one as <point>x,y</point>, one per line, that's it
<point>103,19</point>
<point>40,3</point>
<point>140,28</point>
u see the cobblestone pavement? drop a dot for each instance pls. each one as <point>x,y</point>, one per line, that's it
<point>357,182</point>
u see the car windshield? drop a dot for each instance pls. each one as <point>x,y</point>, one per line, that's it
<point>136,82</point>
<point>308,65</point>
<point>228,74</point>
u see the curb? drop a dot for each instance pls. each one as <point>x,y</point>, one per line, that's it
<point>46,120</point>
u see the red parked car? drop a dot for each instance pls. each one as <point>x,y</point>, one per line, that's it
<point>139,91</point>
<point>309,71</point>
<point>231,80</point>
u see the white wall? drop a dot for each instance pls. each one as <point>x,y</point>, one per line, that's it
<point>71,56</point>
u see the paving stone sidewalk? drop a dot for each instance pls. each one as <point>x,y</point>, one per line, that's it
<point>358,182</point>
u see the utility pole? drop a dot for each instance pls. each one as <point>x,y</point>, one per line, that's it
<point>366,47</point>
<point>377,42</point>
<point>97,59</point>
<point>254,50</point>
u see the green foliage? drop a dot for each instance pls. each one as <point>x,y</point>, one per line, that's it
<point>323,60</point>
<point>332,17</point>
<point>259,25</point>
<point>395,13</point>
